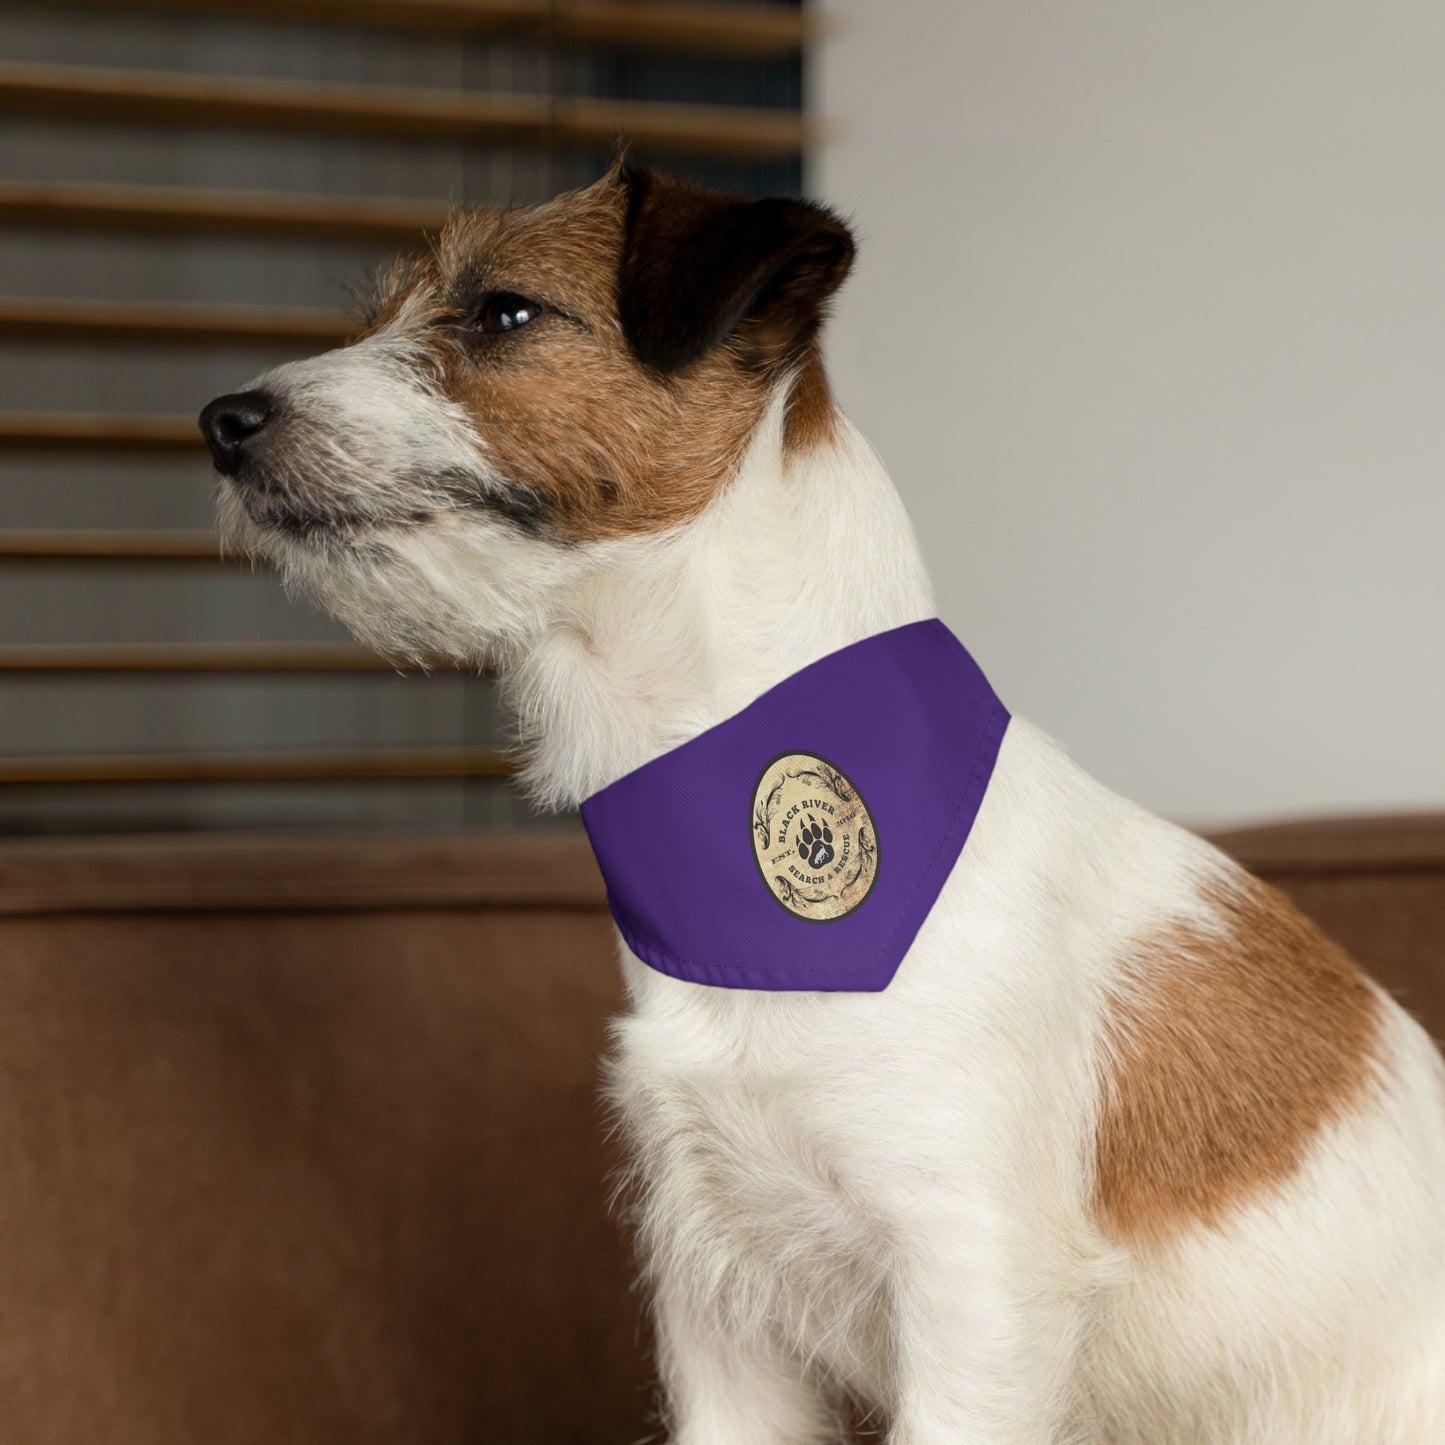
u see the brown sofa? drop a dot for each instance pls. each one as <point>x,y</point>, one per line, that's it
<point>299,1139</point>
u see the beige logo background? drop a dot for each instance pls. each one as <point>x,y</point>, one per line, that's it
<point>813,837</point>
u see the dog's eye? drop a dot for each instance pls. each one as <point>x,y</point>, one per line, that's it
<point>505,311</point>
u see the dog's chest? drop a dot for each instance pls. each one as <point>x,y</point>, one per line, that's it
<point>746,1180</point>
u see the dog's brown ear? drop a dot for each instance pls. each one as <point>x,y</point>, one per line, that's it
<point>698,267</point>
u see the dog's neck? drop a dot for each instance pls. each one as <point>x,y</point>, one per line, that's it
<point>804,553</point>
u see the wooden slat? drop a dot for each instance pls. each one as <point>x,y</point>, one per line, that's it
<point>188,657</point>
<point>361,764</point>
<point>170,323</point>
<point>757,31</point>
<point>85,431</point>
<point>213,102</point>
<point>76,544</point>
<point>172,210</point>
<point>703,29</point>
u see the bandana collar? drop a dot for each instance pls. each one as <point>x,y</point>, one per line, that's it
<point>801,843</point>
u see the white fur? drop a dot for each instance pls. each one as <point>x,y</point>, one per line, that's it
<point>889,1194</point>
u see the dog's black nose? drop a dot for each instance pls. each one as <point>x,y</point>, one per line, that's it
<point>229,422</point>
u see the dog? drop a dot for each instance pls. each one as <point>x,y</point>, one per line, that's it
<point>1127,1152</point>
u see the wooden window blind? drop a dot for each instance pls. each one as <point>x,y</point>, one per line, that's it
<point>186,189</point>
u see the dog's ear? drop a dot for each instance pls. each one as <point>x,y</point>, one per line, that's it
<point>698,267</point>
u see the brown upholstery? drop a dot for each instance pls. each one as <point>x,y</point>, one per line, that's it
<point>299,1143</point>
<point>299,1138</point>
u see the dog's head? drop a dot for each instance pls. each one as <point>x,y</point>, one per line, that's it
<point>547,382</point>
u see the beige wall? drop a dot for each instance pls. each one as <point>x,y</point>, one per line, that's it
<point>1149,324</point>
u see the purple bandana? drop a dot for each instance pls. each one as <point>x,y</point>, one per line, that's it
<point>801,843</point>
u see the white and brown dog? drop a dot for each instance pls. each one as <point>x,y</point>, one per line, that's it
<point>1127,1152</point>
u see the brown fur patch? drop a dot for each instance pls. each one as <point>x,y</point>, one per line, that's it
<point>599,444</point>
<point>812,417</point>
<point>1227,1052</point>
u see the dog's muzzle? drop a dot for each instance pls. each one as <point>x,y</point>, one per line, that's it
<point>231,424</point>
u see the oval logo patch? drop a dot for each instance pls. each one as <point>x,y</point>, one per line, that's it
<point>813,838</point>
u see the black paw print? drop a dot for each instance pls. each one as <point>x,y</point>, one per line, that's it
<point>815,843</point>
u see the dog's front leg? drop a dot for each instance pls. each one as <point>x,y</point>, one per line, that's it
<point>721,1387</point>
<point>985,1339</point>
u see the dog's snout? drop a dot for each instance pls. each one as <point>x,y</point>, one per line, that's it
<point>229,422</point>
